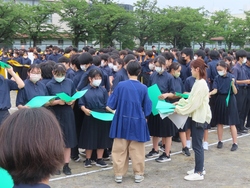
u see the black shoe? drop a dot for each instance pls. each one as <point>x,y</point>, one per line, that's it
<point>239,133</point>
<point>219,145</point>
<point>234,147</point>
<point>152,154</point>
<point>58,172</point>
<point>162,148</point>
<point>243,131</point>
<point>76,159</point>
<point>87,163</point>
<point>66,170</point>
<point>176,139</point>
<point>185,151</point>
<point>163,158</point>
<point>101,163</point>
<point>245,128</point>
<point>160,143</point>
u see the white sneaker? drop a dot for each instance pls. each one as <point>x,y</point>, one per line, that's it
<point>139,178</point>
<point>192,172</point>
<point>205,145</point>
<point>188,143</point>
<point>118,179</point>
<point>194,177</point>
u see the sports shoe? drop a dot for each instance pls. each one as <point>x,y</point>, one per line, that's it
<point>118,179</point>
<point>188,142</point>
<point>194,177</point>
<point>205,145</point>
<point>234,147</point>
<point>88,163</point>
<point>192,172</point>
<point>101,163</point>
<point>163,158</point>
<point>106,158</point>
<point>66,170</point>
<point>185,151</point>
<point>162,148</point>
<point>152,154</point>
<point>243,131</point>
<point>219,145</point>
<point>76,159</point>
<point>160,143</point>
<point>139,178</point>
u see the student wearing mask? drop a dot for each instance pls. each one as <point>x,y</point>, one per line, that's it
<point>146,71</point>
<point>241,82</point>
<point>225,113</point>
<point>33,87</point>
<point>187,55</point>
<point>63,110</point>
<point>46,70</point>
<point>94,133</point>
<point>70,73</point>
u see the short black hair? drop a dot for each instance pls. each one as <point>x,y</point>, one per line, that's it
<point>123,52</point>
<point>128,58</point>
<point>174,66</point>
<point>168,55</point>
<point>240,53</point>
<point>248,56</point>
<point>134,68</point>
<point>150,53</point>
<point>97,61</point>
<point>47,68</point>
<point>59,69</point>
<point>74,60</point>
<point>160,59</point>
<point>200,53</point>
<point>67,50</point>
<point>214,55</point>
<point>94,72</point>
<point>104,57</point>
<point>189,52</point>
<point>92,51</point>
<point>63,59</point>
<point>75,49</point>
<point>85,58</point>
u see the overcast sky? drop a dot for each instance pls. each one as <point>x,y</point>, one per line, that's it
<point>235,6</point>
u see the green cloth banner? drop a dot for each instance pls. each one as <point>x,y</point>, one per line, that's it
<point>102,116</point>
<point>63,96</point>
<point>4,65</point>
<point>5,179</point>
<point>154,92</point>
<point>182,95</point>
<point>39,101</point>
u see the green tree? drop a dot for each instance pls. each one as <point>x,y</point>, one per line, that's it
<point>9,15</point>
<point>111,22</point>
<point>183,26</point>
<point>146,15</point>
<point>36,21</point>
<point>76,15</point>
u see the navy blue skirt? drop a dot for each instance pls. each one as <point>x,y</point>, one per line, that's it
<point>65,116</point>
<point>95,134</point>
<point>3,115</point>
<point>161,127</point>
<point>226,115</point>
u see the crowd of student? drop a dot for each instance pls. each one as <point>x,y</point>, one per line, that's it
<point>113,78</point>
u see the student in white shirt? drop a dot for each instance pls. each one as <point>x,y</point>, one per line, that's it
<point>197,106</point>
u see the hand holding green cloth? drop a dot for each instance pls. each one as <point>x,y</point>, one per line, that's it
<point>154,92</point>
<point>39,101</point>
<point>228,96</point>
<point>63,96</point>
<point>4,65</point>
<point>182,95</point>
<point>102,116</point>
<point>5,179</point>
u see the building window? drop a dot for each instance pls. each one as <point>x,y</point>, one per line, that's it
<point>60,42</point>
<point>49,20</point>
<point>219,43</point>
<point>23,42</point>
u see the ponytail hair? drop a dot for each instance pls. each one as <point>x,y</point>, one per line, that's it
<point>199,63</point>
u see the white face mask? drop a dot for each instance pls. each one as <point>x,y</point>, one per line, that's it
<point>151,66</point>
<point>158,69</point>
<point>221,73</point>
<point>195,57</point>
<point>102,63</point>
<point>115,68</point>
<point>83,67</point>
<point>96,83</point>
<point>244,60</point>
<point>59,79</point>
<point>177,74</point>
<point>35,77</point>
<point>111,65</point>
